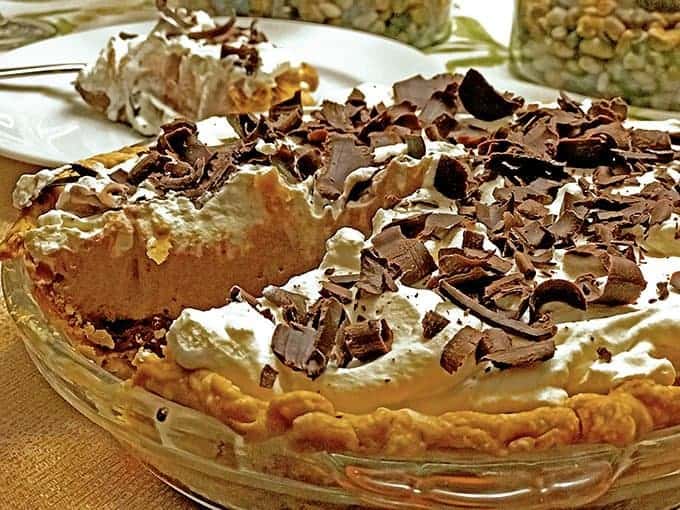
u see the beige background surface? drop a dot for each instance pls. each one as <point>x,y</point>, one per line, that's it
<point>51,457</point>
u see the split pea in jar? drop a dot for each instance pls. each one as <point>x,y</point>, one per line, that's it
<point>604,48</point>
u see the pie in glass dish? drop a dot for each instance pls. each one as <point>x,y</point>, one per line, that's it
<point>194,67</point>
<point>430,268</point>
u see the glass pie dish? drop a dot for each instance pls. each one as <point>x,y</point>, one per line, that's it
<point>204,459</point>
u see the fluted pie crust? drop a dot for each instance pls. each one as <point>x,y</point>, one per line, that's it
<point>309,421</point>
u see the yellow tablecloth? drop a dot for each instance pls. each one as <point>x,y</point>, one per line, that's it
<point>51,457</point>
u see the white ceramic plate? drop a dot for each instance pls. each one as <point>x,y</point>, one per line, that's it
<point>44,121</point>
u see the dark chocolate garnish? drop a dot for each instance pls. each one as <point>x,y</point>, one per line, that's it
<point>625,282</point>
<point>662,290</point>
<point>493,341</point>
<point>514,326</point>
<point>509,295</point>
<point>603,354</point>
<point>344,280</point>
<point>375,277</point>
<point>343,157</point>
<point>268,376</point>
<point>675,281</point>
<point>451,177</point>
<point>294,305</point>
<point>521,356</point>
<point>525,265</point>
<point>415,146</point>
<point>483,101</point>
<point>342,294</point>
<point>410,255</point>
<point>368,340</point>
<point>463,345</point>
<point>433,323</point>
<point>418,90</point>
<point>560,290</point>
<point>294,345</point>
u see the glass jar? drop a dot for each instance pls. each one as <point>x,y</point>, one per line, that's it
<point>418,22</point>
<point>603,48</point>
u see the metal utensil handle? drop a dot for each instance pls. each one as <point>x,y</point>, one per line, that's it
<point>12,72</point>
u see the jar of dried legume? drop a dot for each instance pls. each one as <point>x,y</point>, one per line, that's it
<point>418,22</point>
<point>628,48</point>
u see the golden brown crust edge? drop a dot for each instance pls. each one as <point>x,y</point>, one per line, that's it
<point>310,422</point>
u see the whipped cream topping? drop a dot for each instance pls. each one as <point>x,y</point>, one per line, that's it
<point>126,74</point>
<point>641,337</point>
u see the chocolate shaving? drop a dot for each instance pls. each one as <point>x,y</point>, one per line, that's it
<point>418,90</point>
<point>340,353</point>
<point>522,356</point>
<point>343,157</point>
<point>268,377</point>
<point>463,345</point>
<point>566,226</point>
<point>675,281</point>
<point>472,239</point>
<point>585,151</point>
<point>410,255</point>
<point>294,305</point>
<point>557,289</point>
<point>650,139</point>
<point>415,146</point>
<point>509,295</point>
<point>368,340</point>
<point>326,317</point>
<point>437,225</point>
<point>532,209</point>
<point>469,134</point>
<point>344,280</point>
<point>375,277</point>
<point>494,318</point>
<point>433,323</point>
<point>625,282</point>
<point>483,101</point>
<point>660,211</point>
<point>451,177</point>
<point>294,345</point>
<point>493,341</point>
<point>662,290</point>
<point>535,235</point>
<point>524,265</point>
<point>342,294</point>
<point>287,115</point>
<point>604,355</point>
<point>219,33</point>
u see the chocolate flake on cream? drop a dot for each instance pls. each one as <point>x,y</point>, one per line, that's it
<point>433,323</point>
<point>409,255</point>
<point>483,101</point>
<point>463,344</point>
<point>268,376</point>
<point>368,340</point>
<point>523,355</point>
<point>494,318</point>
<point>675,281</point>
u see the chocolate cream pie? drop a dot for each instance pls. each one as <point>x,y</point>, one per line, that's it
<point>193,67</point>
<point>520,296</point>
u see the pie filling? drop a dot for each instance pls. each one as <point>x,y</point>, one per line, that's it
<point>522,292</point>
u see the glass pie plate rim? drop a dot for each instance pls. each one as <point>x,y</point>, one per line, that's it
<point>204,459</point>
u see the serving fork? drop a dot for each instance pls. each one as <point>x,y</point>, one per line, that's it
<point>14,72</point>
